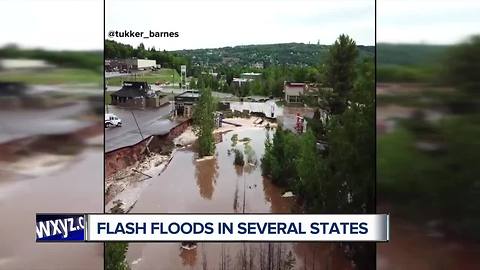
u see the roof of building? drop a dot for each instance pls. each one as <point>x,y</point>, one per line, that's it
<point>251,74</point>
<point>295,84</point>
<point>190,94</point>
<point>132,89</point>
<point>241,80</point>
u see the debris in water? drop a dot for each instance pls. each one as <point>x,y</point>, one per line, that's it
<point>205,158</point>
<point>144,174</point>
<point>136,261</point>
<point>245,140</point>
<point>239,161</point>
<point>189,245</point>
<point>258,121</point>
<point>118,207</point>
<point>288,194</point>
<point>234,139</point>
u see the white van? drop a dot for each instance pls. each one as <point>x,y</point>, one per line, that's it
<point>111,120</point>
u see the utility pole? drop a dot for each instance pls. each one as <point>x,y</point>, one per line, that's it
<point>105,93</point>
<point>134,118</point>
<point>140,131</point>
<point>244,192</point>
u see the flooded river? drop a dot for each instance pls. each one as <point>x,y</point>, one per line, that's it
<point>416,247</point>
<point>73,189</point>
<point>217,186</point>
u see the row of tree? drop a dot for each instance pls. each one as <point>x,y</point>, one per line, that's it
<point>441,182</point>
<point>270,83</point>
<point>91,60</point>
<point>336,175</point>
<point>116,50</point>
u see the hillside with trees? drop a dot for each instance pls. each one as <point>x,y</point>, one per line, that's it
<point>409,62</point>
<point>216,68</point>
<point>289,54</point>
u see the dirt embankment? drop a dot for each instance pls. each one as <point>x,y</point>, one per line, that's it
<point>43,154</point>
<point>138,164</point>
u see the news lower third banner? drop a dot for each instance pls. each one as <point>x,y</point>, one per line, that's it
<point>211,227</point>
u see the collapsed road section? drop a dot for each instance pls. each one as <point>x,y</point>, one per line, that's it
<point>128,167</point>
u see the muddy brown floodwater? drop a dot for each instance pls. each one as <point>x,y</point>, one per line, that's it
<point>413,246</point>
<point>217,186</point>
<point>74,189</point>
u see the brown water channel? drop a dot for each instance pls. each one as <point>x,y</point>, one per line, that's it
<point>73,189</point>
<point>217,186</point>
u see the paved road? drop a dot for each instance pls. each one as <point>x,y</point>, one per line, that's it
<point>150,121</point>
<point>17,124</point>
<point>175,91</point>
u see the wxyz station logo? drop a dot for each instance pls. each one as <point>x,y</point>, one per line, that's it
<point>59,228</point>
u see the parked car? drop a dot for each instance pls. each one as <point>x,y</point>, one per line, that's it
<point>111,120</point>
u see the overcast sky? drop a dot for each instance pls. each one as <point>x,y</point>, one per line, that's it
<point>78,24</point>
<point>211,24</point>
<point>52,24</point>
<point>427,21</point>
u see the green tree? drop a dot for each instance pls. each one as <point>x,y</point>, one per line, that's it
<point>115,252</point>
<point>115,256</point>
<point>350,163</point>
<point>266,160</point>
<point>462,72</point>
<point>204,123</point>
<point>308,168</point>
<point>462,65</point>
<point>340,71</point>
<point>279,158</point>
<point>193,84</point>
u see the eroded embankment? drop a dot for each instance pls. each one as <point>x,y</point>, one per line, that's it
<point>127,169</point>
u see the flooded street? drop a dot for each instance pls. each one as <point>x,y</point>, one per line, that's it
<point>286,115</point>
<point>217,186</point>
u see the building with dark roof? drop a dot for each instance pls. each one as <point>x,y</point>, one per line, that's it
<point>137,94</point>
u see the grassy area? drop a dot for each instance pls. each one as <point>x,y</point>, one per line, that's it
<point>53,76</point>
<point>108,98</point>
<point>162,75</point>
<point>412,74</point>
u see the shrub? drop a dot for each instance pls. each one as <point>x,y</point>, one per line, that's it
<point>239,161</point>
